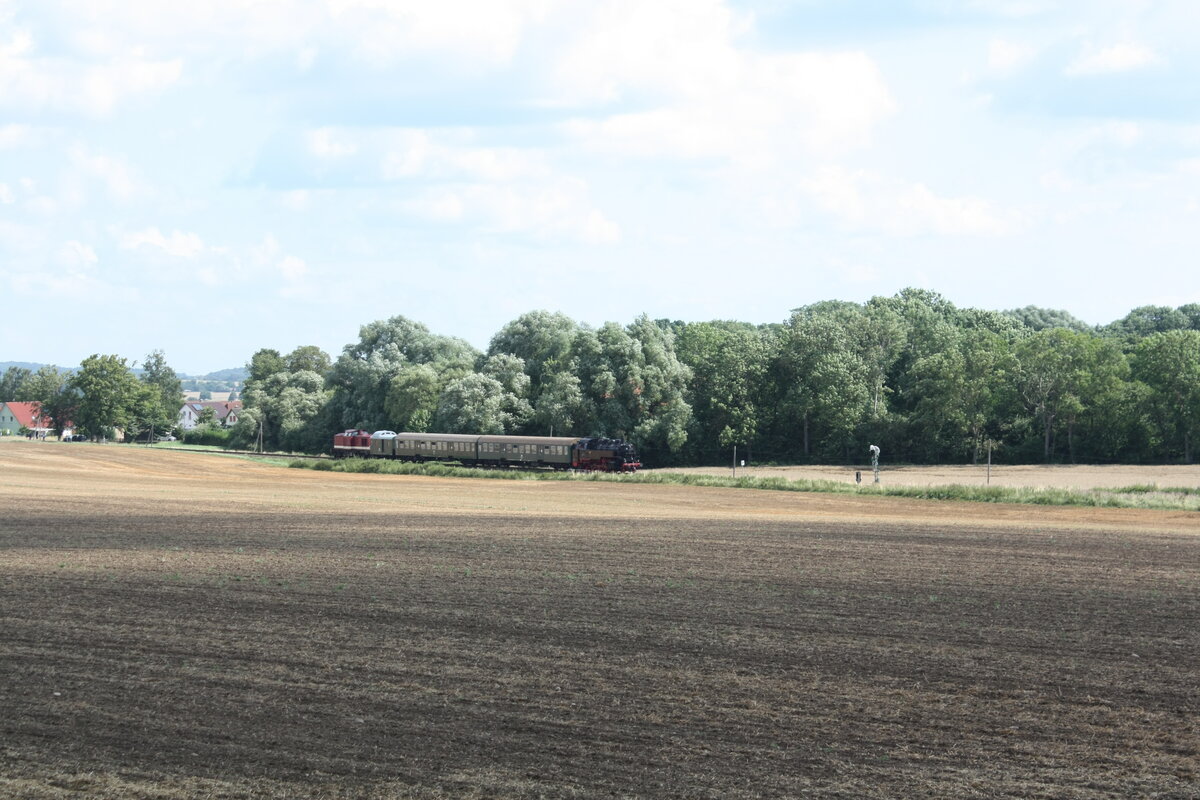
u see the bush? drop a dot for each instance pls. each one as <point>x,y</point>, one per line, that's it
<point>212,435</point>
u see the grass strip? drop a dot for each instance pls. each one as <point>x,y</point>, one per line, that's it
<point>1140,496</point>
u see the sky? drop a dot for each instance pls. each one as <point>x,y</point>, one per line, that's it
<point>213,178</point>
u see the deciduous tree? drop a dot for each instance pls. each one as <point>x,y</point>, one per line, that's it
<point>1169,363</point>
<point>107,391</point>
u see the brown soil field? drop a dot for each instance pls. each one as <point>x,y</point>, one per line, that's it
<point>1015,476</point>
<point>178,625</point>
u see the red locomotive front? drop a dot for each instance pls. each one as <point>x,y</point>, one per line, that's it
<point>353,442</point>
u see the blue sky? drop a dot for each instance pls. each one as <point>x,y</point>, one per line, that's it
<point>214,179</point>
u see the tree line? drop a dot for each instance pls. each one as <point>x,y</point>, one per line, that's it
<point>102,396</point>
<point>927,381</point>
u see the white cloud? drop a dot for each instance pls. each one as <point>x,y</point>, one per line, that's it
<point>6,195</point>
<point>673,46</point>
<point>554,210</point>
<point>1014,9</point>
<point>323,144</point>
<point>13,135</point>
<point>862,274</point>
<point>268,261</point>
<point>473,32</point>
<point>817,103</point>
<point>1056,180</point>
<point>1123,57</point>
<point>67,272</point>
<point>296,200</point>
<point>265,264</point>
<point>507,190</point>
<point>921,211</point>
<point>114,172</point>
<point>467,33</point>
<point>453,155</point>
<point>1006,57</point>
<point>292,268</point>
<point>29,81</point>
<point>867,201</point>
<point>77,255</point>
<point>699,91</point>
<point>177,245</point>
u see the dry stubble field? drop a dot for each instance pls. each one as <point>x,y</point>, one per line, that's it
<point>180,625</point>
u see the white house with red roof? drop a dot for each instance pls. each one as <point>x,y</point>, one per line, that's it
<point>225,412</point>
<point>14,416</point>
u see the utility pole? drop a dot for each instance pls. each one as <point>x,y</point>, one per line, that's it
<point>735,461</point>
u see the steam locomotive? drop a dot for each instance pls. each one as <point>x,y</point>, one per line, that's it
<point>525,452</point>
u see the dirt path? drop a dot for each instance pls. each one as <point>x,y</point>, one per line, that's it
<point>1020,476</point>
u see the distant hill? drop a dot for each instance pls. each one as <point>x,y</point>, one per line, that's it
<point>230,376</point>
<point>237,374</point>
<point>31,366</point>
<point>220,382</point>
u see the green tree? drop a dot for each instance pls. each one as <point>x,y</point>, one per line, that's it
<point>1145,321</point>
<point>308,358</point>
<point>879,336</point>
<point>157,374</point>
<point>560,406</point>
<point>13,383</point>
<point>728,363</point>
<point>47,381</point>
<point>1040,319</point>
<point>362,376</point>
<point>824,385</point>
<point>412,398</point>
<point>57,399</point>
<point>633,384</point>
<point>475,403</point>
<point>289,408</point>
<point>265,363</point>
<point>509,371</point>
<point>107,392</point>
<point>542,340</point>
<point>961,391</point>
<point>1169,363</point>
<point>1052,379</point>
<point>1111,420</point>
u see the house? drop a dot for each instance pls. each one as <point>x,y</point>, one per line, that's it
<point>225,412</point>
<point>14,416</point>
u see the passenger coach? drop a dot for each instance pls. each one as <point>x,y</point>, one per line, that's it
<point>529,452</point>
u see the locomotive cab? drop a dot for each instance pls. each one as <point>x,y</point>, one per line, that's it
<point>352,443</point>
<point>608,455</point>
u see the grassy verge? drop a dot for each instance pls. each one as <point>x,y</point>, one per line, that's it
<point>1141,496</point>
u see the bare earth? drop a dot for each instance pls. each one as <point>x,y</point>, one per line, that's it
<point>180,625</point>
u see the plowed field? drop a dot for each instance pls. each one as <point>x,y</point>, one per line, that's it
<point>176,625</point>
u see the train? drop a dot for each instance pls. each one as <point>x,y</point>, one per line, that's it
<point>592,453</point>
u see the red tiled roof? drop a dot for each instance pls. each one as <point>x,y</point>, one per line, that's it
<point>25,412</point>
<point>221,408</point>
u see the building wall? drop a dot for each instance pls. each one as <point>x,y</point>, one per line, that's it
<point>8,421</point>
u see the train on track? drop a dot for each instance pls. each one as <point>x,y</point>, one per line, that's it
<point>592,453</point>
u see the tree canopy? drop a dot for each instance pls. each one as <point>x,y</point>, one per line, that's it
<point>928,380</point>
